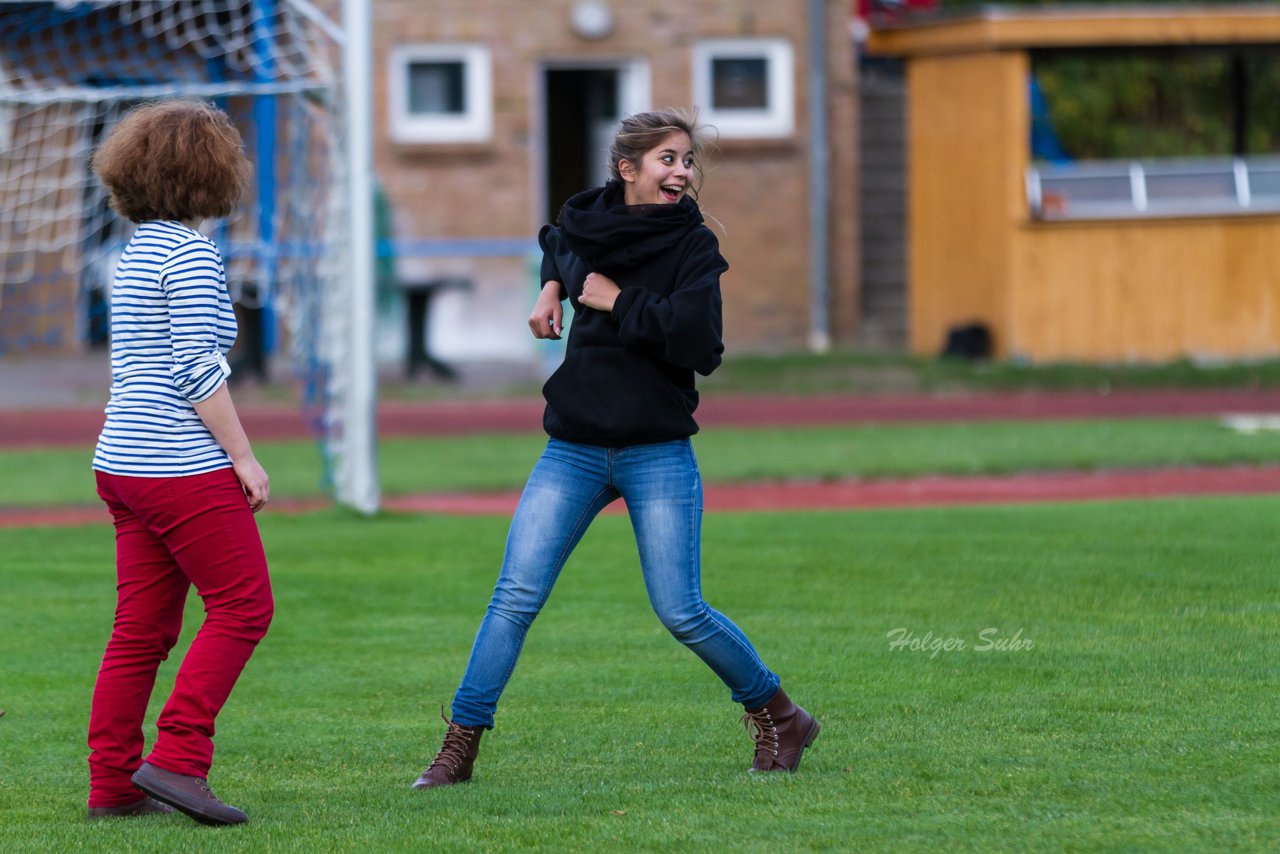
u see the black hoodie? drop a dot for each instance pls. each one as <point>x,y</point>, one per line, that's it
<point>627,376</point>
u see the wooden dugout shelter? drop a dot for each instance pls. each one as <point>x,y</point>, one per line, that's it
<point>1137,279</point>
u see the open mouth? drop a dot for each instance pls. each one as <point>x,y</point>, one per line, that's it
<point>671,192</point>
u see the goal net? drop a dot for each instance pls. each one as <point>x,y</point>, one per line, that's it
<point>69,70</point>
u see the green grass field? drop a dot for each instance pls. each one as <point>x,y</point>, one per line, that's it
<point>845,371</point>
<point>854,372</point>
<point>1142,717</point>
<point>42,477</point>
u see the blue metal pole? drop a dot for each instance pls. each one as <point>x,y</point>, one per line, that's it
<point>264,121</point>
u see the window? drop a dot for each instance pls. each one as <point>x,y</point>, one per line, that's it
<point>441,93</point>
<point>745,87</point>
<point>1152,188</point>
<point>1135,104</point>
<point>1154,132</point>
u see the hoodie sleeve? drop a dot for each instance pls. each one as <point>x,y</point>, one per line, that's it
<point>685,327</point>
<point>547,238</point>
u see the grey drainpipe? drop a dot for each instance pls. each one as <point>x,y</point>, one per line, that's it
<point>819,160</point>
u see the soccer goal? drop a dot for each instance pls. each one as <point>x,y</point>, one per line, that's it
<point>298,251</point>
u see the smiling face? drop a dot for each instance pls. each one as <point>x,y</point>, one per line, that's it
<point>663,175</point>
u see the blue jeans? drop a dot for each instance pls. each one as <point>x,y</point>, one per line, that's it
<point>570,484</point>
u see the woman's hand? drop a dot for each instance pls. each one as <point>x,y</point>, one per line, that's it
<point>548,313</point>
<point>254,480</point>
<point>599,292</point>
<point>219,414</point>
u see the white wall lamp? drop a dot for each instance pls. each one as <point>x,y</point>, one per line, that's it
<point>591,19</point>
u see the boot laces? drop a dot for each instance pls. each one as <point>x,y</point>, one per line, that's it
<point>454,750</point>
<point>764,732</point>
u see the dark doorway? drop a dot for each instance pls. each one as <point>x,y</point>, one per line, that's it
<point>582,111</point>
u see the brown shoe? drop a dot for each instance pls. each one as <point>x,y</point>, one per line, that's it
<point>458,753</point>
<point>190,795</point>
<point>781,731</point>
<point>146,806</point>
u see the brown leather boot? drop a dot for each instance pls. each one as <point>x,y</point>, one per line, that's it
<point>191,795</point>
<point>458,753</point>
<point>781,731</point>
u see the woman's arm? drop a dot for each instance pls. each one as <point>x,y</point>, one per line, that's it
<point>547,319</point>
<point>685,327</point>
<point>192,280</point>
<point>219,414</point>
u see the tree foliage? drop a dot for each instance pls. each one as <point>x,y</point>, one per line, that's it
<point>1162,103</point>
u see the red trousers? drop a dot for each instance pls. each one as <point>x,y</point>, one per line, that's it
<point>172,533</point>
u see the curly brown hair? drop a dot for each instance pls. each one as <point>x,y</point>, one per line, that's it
<point>173,159</point>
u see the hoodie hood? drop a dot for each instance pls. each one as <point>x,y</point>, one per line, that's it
<point>610,235</point>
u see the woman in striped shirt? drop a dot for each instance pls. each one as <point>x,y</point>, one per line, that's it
<point>174,466</point>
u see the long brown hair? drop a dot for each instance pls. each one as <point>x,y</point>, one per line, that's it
<point>174,159</point>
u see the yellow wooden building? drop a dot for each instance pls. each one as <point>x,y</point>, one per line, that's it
<point>1152,274</point>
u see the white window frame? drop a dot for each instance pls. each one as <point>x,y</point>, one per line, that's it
<point>774,121</point>
<point>1247,185</point>
<point>476,122</point>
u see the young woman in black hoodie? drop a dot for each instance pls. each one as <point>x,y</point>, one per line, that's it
<point>643,274</point>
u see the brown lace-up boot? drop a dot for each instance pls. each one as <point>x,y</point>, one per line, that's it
<point>458,753</point>
<point>781,731</point>
<point>191,795</point>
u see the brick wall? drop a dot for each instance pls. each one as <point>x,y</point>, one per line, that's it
<point>756,190</point>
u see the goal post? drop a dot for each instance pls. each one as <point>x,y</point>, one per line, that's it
<point>357,481</point>
<point>295,76</point>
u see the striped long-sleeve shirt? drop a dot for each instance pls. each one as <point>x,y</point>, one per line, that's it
<point>171,327</point>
